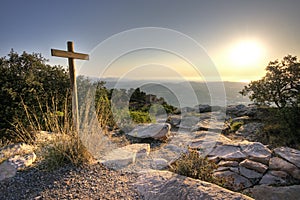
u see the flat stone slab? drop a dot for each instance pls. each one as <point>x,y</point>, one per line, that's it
<point>124,156</point>
<point>235,181</point>
<point>155,131</point>
<point>257,166</point>
<point>248,173</point>
<point>227,152</point>
<point>169,186</point>
<point>264,192</point>
<point>280,164</point>
<point>289,154</point>
<point>256,151</point>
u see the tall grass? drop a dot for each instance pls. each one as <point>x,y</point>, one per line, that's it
<point>63,145</point>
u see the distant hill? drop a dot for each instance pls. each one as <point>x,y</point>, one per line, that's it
<point>171,91</point>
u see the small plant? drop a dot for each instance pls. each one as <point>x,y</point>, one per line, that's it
<point>193,165</point>
<point>66,149</point>
<point>235,126</point>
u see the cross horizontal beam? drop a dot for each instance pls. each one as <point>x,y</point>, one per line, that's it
<point>68,54</point>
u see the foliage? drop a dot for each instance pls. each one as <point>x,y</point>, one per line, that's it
<point>235,126</point>
<point>140,117</point>
<point>24,78</point>
<point>191,164</point>
<point>281,127</point>
<point>280,85</point>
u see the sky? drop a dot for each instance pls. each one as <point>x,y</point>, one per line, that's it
<point>238,37</point>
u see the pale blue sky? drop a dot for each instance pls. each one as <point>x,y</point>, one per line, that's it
<point>38,26</point>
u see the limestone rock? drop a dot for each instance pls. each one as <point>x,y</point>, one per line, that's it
<point>14,149</point>
<point>159,163</point>
<point>22,161</point>
<point>249,129</point>
<point>289,154</point>
<point>256,151</point>
<point>264,192</point>
<point>124,156</point>
<point>7,170</point>
<point>251,174</point>
<point>155,131</point>
<point>269,179</point>
<point>189,122</point>
<point>240,119</point>
<point>227,152</point>
<point>259,167</point>
<point>166,185</point>
<point>241,110</point>
<point>234,181</point>
<point>224,163</point>
<point>280,164</point>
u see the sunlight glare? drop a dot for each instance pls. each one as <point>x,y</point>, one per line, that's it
<point>246,53</point>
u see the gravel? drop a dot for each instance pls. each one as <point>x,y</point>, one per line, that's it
<point>69,182</point>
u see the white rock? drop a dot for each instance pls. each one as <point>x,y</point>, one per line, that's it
<point>155,131</point>
<point>289,154</point>
<point>22,161</point>
<point>257,166</point>
<point>256,151</point>
<point>165,185</point>
<point>7,170</point>
<point>124,156</point>
<point>227,152</point>
<point>280,164</point>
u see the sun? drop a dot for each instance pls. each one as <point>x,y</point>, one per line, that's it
<point>246,53</point>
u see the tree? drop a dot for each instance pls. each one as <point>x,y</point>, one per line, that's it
<point>280,85</point>
<point>26,79</point>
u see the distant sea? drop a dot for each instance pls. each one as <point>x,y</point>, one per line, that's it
<point>185,94</point>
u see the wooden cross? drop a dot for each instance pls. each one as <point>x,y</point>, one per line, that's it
<point>71,55</point>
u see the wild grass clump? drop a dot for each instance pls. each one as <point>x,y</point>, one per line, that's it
<point>65,149</point>
<point>63,145</point>
<point>192,165</point>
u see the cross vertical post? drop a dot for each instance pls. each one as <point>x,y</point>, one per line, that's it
<point>71,55</point>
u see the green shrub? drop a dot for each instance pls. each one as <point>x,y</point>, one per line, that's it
<point>235,126</point>
<point>141,117</point>
<point>24,78</point>
<point>191,164</point>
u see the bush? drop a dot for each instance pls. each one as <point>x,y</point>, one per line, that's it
<point>24,78</point>
<point>235,126</point>
<point>193,165</point>
<point>280,85</point>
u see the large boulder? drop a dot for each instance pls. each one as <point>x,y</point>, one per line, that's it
<point>159,131</point>
<point>166,185</point>
<point>264,192</point>
<point>289,154</point>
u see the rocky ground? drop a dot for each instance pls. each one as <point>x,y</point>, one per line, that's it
<point>87,182</point>
<point>249,167</point>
